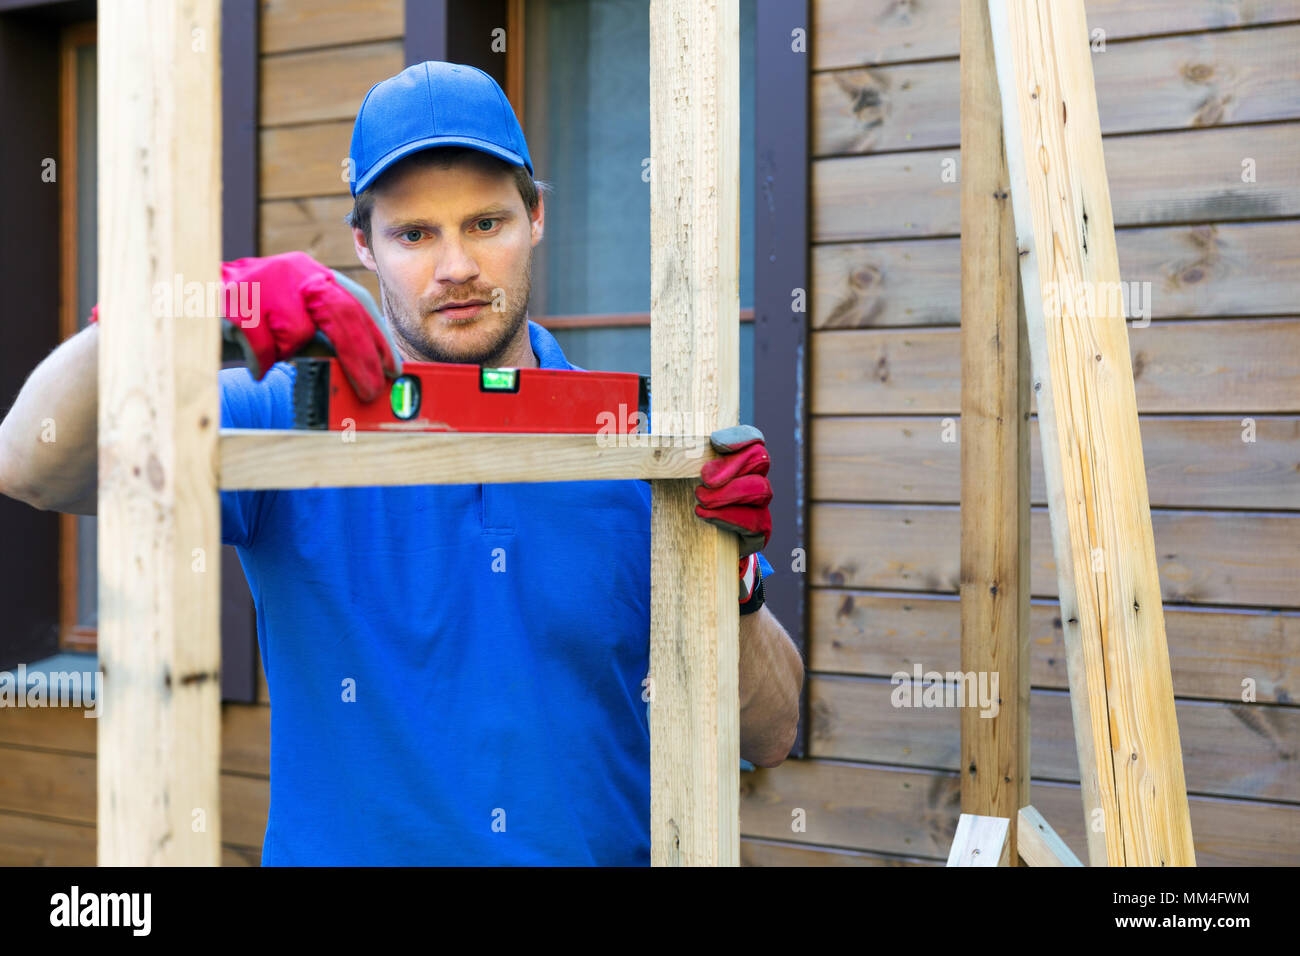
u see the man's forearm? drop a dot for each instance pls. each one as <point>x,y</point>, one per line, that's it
<point>49,438</point>
<point>771,677</point>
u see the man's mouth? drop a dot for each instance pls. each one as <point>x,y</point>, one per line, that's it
<point>460,311</point>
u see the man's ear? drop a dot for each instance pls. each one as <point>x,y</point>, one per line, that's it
<point>538,220</point>
<point>363,251</point>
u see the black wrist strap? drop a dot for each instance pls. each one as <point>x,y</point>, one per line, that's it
<point>756,599</point>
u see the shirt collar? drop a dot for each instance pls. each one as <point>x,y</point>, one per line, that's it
<point>547,350</point>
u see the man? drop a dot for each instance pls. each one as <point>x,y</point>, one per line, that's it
<point>456,672</point>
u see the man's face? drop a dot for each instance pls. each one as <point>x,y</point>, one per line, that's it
<point>452,235</point>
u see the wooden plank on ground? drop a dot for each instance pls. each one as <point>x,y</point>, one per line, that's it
<point>1213,651</point>
<point>1040,846</point>
<point>1212,269</point>
<point>159,523</point>
<point>1121,687</point>
<point>273,458</point>
<point>981,841</point>
<point>994,468</point>
<point>694,359</point>
<point>1194,462</point>
<point>1190,367</point>
<point>1189,81</point>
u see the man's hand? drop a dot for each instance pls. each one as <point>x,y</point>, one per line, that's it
<point>291,297</point>
<point>735,492</point>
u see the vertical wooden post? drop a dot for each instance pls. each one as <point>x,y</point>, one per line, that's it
<point>994,448</point>
<point>1135,797</point>
<point>159,521</point>
<point>694,356</point>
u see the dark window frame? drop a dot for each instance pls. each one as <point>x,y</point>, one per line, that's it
<point>781,243</point>
<point>31,267</point>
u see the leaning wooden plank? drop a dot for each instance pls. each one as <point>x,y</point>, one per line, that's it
<point>981,841</point>
<point>159,524</point>
<point>694,358</point>
<point>270,458</point>
<point>1039,845</point>
<point>1134,794</point>
<point>995,453</point>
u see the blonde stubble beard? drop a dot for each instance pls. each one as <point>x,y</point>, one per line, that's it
<point>419,347</point>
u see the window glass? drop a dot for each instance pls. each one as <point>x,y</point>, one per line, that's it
<point>587,120</point>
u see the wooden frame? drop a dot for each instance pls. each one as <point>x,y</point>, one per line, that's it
<point>72,635</point>
<point>160,456</point>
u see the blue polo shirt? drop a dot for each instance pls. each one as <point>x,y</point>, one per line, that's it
<point>456,671</point>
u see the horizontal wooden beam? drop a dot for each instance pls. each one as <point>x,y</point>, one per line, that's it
<point>254,458</point>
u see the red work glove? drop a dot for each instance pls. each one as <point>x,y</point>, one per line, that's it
<point>296,296</point>
<point>735,492</point>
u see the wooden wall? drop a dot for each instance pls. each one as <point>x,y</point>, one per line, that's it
<point>1188,90</point>
<point>318,59</point>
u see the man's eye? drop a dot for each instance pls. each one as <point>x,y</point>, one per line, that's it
<point>412,235</point>
<point>481,221</point>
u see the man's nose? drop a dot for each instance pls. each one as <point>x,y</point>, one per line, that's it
<point>455,266</point>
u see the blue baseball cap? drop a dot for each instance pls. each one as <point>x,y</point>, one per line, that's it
<point>433,104</point>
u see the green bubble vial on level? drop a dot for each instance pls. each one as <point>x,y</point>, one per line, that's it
<point>499,379</point>
<point>405,397</point>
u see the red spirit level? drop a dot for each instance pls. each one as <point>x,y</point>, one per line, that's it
<point>441,397</point>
